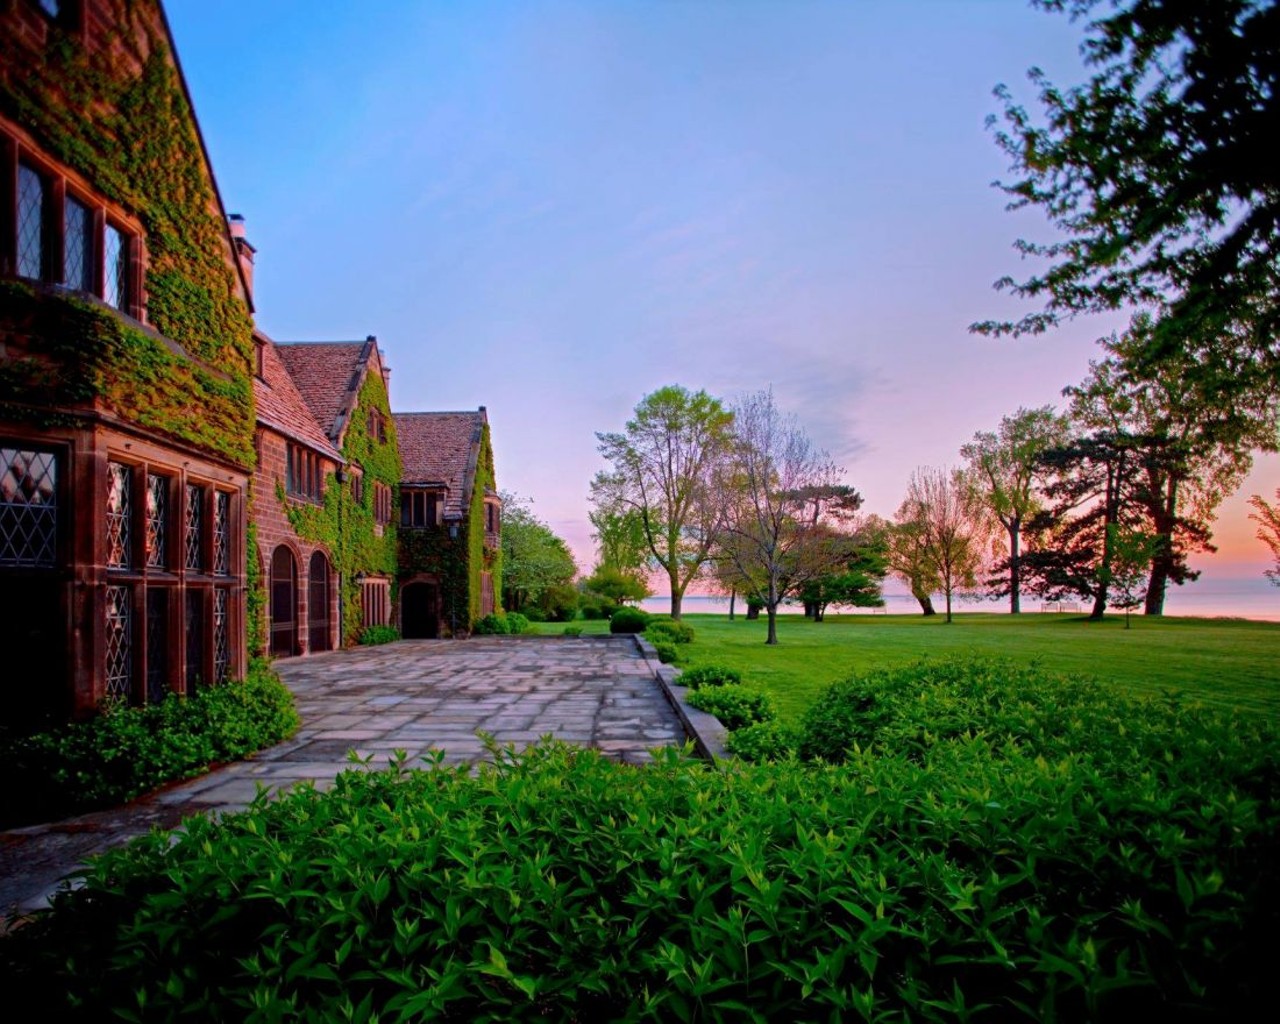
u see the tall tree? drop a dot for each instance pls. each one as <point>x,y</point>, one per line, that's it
<point>908,558</point>
<point>782,494</point>
<point>619,535</point>
<point>665,464</point>
<point>1158,172</point>
<point>534,560</point>
<point>951,531</point>
<point>1003,468</point>
<point>856,580</point>
<point>1267,516</point>
<point>1192,424</point>
<point>1089,483</point>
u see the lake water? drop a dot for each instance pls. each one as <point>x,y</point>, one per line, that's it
<point>1233,598</point>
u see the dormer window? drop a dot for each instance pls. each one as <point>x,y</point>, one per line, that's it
<point>420,509</point>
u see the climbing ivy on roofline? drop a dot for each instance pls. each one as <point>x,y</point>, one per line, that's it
<point>345,527</point>
<point>119,116</point>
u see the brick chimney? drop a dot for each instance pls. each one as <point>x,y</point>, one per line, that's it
<point>244,251</point>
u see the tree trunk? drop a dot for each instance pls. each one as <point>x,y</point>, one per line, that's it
<point>753,611</point>
<point>948,592</point>
<point>733,597</point>
<point>811,610</point>
<point>677,595</point>
<point>926,603</point>
<point>1015,569</point>
<point>819,610</point>
<point>1161,565</point>
<point>773,624</point>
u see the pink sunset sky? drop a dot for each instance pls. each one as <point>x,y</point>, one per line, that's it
<point>552,209</point>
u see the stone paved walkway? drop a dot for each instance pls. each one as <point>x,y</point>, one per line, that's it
<point>416,695</point>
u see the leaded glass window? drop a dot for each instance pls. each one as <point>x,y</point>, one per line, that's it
<point>222,533</point>
<point>77,263</point>
<point>195,639</point>
<point>31,192</point>
<point>157,517</point>
<point>157,644</point>
<point>115,282</point>
<point>119,506</point>
<point>28,508</point>
<point>194,557</point>
<point>221,636</point>
<point>119,642</point>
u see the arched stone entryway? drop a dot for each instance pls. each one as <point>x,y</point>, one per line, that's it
<point>420,610</point>
<point>318,597</point>
<point>284,603</point>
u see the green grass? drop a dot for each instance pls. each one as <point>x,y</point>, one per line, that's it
<point>1227,662</point>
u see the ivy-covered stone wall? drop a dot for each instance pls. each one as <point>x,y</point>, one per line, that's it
<point>108,104</point>
<point>347,527</point>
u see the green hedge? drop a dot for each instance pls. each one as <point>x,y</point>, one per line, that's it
<point>499,624</point>
<point>371,636</point>
<point>735,706</point>
<point>709,675</point>
<point>125,751</point>
<point>974,883</point>
<point>628,620</point>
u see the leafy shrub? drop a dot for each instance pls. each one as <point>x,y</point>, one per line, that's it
<point>379,635</point>
<point>497,624</point>
<point>556,884</point>
<point>573,631</point>
<point>595,607</point>
<point>735,706</point>
<point>558,603</point>
<point>126,751</point>
<point>763,741</point>
<point>667,652</point>
<point>709,675</point>
<point>628,620</point>
<point>669,630</point>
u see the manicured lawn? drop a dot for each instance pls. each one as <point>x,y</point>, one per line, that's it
<point>1218,661</point>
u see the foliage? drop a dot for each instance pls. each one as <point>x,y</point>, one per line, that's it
<point>1154,172</point>
<point>344,524</point>
<point>556,603</point>
<point>908,556</point>
<point>1191,430</point>
<point>939,516</point>
<point>628,620</point>
<point>617,586</point>
<point>572,630</point>
<point>669,630</point>
<point>1004,469</point>
<point>371,636</point>
<point>970,880</point>
<point>619,536</point>
<point>735,706</point>
<point>856,581</point>
<point>762,742</point>
<point>666,650</point>
<point>534,560</point>
<point>139,149</point>
<point>783,503</point>
<point>1267,517</point>
<point>510,624</point>
<point>125,751</point>
<point>595,606</point>
<point>1131,555</point>
<point>709,675</point>
<point>663,470</point>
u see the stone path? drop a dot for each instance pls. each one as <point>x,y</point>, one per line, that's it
<point>415,695</point>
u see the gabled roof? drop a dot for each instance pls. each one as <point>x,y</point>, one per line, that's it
<point>328,375</point>
<point>442,448</point>
<point>282,408</point>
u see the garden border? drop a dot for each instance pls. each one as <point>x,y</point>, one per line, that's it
<point>704,729</point>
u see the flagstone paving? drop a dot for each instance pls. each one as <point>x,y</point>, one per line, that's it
<point>417,696</point>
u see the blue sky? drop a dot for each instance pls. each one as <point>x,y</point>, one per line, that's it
<point>553,208</point>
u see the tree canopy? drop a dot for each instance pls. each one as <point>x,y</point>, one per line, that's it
<point>1159,174</point>
<point>534,560</point>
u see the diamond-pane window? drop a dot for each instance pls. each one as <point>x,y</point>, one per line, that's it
<point>195,639</point>
<point>28,508</point>
<point>157,515</point>
<point>76,232</point>
<point>222,533</point>
<point>194,558</point>
<point>221,637</point>
<point>157,644</point>
<point>115,282</point>
<point>119,502</point>
<point>119,642</point>
<point>30,223</point>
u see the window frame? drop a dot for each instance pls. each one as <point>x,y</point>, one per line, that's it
<point>304,474</point>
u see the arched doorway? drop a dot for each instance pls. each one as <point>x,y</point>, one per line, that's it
<point>284,603</point>
<point>318,604</point>
<point>420,611</point>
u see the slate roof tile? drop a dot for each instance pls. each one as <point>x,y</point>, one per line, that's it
<point>282,408</point>
<point>441,448</point>
<point>326,374</point>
